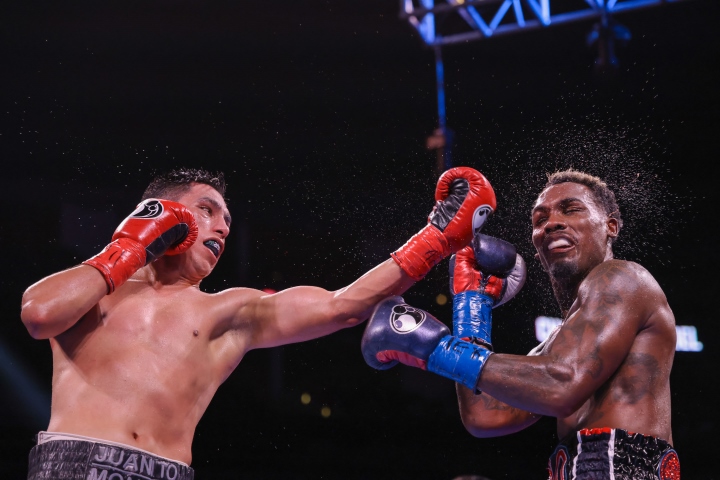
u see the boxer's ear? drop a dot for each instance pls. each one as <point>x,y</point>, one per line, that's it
<point>613,227</point>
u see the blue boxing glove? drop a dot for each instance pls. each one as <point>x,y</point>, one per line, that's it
<point>397,332</point>
<point>483,276</point>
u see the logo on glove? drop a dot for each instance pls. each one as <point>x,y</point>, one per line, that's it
<point>148,209</point>
<point>405,319</point>
<point>482,213</point>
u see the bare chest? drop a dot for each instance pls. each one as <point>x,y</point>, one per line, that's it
<point>169,324</point>
<point>142,338</point>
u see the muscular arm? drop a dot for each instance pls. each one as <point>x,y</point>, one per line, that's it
<point>302,313</point>
<point>613,304</point>
<point>57,302</point>
<point>463,199</point>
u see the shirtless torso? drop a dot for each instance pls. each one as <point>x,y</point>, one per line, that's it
<point>139,350</point>
<point>608,364</point>
<point>140,366</point>
<point>641,383</point>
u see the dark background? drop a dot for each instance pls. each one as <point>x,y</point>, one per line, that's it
<point>317,112</point>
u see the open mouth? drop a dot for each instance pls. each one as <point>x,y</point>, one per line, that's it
<point>559,244</point>
<point>213,246</point>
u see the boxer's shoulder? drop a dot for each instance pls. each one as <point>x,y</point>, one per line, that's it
<point>622,277</point>
<point>627,288</point>
<point>616,269</point>
<point>233,308</point>
<point>237,297</point>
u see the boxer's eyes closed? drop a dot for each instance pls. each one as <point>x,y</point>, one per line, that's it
<point>538,220</point>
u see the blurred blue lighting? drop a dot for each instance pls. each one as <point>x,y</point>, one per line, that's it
<point>34,400</point>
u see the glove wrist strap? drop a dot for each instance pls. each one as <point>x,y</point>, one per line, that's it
<point>422,252</point>
<point>472,316</point>
<point>458,360</point>
<point>118,262</point>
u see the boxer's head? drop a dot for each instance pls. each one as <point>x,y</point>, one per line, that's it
<point>575,221</point>
<point>173,184</point>
<point>600,191</point>
<point>203,193</point>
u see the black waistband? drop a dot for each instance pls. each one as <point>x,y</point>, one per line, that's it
<point>84,460</point>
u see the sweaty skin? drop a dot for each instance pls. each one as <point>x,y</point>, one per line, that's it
<point>608,364</point>
<point>141,365</point>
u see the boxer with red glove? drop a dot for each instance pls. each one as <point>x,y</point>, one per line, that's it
<point>155,228</point>
<point>464,200</point>
<point>483,276</point>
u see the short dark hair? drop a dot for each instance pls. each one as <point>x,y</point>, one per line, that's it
<point>173,184</point>
<point>602,194</point>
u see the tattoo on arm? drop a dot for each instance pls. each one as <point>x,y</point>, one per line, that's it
<point>594,366</point>
<point>599,313</point>
<point>640,372</point>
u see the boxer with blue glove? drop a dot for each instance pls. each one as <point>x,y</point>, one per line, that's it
<point>603,373</point>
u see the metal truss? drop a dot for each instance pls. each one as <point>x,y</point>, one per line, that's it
<point>445,22</point>
<point>454,21</point>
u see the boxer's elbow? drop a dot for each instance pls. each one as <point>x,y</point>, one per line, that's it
<point>564,405</point>
<point>490,424</point>
<point>574,398</point>
<point>481,429</point>
<point>43,319</point>
<point>35,317</point>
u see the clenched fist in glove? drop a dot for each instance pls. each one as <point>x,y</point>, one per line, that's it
<point>397,332</point>
<point>155,228</point>
<point>463,200</point>
<point>483,276</point>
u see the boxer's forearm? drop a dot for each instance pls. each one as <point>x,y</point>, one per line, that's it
<point>316,308</point>
<point>356,301</point>
<point>535,383</point>
<point>57,302</point>
<point>303,313</point>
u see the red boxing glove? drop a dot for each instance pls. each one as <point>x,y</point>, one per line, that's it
<point>483,276</point>
<point>465,276</point>
<point>464,200</point>
<point>491,267</point>
<point>155,228</point>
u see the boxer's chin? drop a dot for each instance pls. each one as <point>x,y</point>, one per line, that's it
<point>563,269</point>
